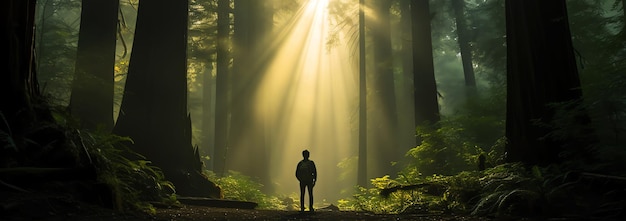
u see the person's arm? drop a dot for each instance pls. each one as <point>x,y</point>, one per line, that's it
<point>298,166</point>
<point>314,172</point>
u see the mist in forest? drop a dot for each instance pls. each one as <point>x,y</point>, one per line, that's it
<point>266,80</point>
<point>306,99</point>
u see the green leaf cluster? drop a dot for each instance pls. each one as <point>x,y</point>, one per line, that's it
<point>133,180</point>
<point>445,150</point>
<point>237,186</point>
<point>509,190</point>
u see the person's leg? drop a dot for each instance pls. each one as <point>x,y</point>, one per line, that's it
<point>302,196</point>
<point>310,188</point>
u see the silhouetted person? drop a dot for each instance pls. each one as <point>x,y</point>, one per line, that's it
<point>307,175</point>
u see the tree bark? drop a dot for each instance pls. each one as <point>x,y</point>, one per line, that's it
<point>425,86</point>
<point>541,70</point>
<point>247,144</point>
<point>405,118</point>
<point>154,107</point>
<point>464,46</point>
<point>18,82</point>
<point>92,90</point>
<point>222,102</point>
<point>624,14</point>
<point>208,114</point>
<point>362,179</point>
<point>383,118</point>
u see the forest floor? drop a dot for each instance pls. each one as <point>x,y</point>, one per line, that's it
<point>194,213</point>
<point>57,207</point>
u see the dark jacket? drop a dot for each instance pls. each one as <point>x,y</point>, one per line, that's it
<point>306,171</point>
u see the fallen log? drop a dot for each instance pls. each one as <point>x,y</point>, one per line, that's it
<point>428,188</point>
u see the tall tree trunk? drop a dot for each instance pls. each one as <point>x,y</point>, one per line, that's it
<point>623,33</point>
<point>624,14</point>
<point>92,90</point>
<point>18,82</point>
<point>425,86</point>
<point>362,164</point>
<point>154,107</point>
<point>240,129</point>
<point>222,103</point>
<point>464,46</point>
<point>247,145</point>
<point>208,113</point>
<point>406,125</point>
<point>383,120</point>
<point>541,69</point>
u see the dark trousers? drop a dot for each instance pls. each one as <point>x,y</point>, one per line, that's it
<point>309,187</point>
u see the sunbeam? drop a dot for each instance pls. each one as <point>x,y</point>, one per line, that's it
<point>307,98</point>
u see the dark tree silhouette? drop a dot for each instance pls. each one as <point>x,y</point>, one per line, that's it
<point>154,108</point>
<point>623,15</point>
<point>362,164</point>
<point>541,69</point>
<point>222,96</point>
<point>18,82</point>
<point>92,89</point>
<point>247,144</point>
<point>406,124</point>
<point>425,86</point>
<point>383,120</point>
<point>464,44</point>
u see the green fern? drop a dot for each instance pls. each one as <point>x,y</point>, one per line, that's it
<point>7,136</point>
<point>133,179</point>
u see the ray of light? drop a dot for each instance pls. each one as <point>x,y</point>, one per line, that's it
<point>307,99</point>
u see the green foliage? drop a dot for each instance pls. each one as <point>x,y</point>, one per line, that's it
<point>598,36</point>
<point>129,180</point>
<point>370,199</point>
<point>433,194</point>
<point>514,190</point>
<point>448,148</point>
<point>237,186</point>
<point>6,137</point>
<point>442,150</point>
<point>507,190</point>
<point>57,30</point>
<point>133,180</point>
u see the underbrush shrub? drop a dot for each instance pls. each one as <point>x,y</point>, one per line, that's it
<point>237,186</point>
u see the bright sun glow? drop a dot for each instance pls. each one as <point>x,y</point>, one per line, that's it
<point>317,5</point>
<point>308,98</point>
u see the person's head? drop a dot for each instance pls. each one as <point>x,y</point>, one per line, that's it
<point>305,154</point>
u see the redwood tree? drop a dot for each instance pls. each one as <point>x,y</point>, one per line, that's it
<point>92,89</point>
<point>541,70</point>
<point>425,86</point>
<point>362,164</point>
<point>464,44</point>
<point>154,107</point>
<point>247,145</point>
<point>223,84</point>
<point>383,114</point>
<point>18,83</point>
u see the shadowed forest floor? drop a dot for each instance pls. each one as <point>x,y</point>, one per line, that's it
<point>207,213</point>
<point>58,207</point>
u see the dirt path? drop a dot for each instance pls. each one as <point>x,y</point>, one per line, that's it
<point>201,213</point>
<point>195,213</point>
<point>18,207</point>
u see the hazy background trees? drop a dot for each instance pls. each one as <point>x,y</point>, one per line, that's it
<point>449,40</point>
